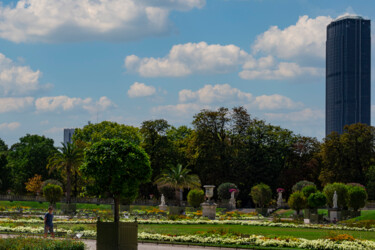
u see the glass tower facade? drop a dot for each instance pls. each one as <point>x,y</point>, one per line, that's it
<point>348,73</point>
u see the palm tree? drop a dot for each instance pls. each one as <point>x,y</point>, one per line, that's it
<point>178,178</point>
<point>68,160</point>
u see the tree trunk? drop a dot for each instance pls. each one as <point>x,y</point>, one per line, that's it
<point>117,208</point>
<point>177,196</point>
<point>68,183</point>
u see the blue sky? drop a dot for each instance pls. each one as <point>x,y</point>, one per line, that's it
<point>64,63</point>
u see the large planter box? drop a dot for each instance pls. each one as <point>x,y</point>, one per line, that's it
<point>261,210</point>
<point>117,235</point>
<point>68,208</point>
<point>308,212</point>
<point>175,210</point>
<point>348,214</point>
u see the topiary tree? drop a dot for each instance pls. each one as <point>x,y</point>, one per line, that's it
<point>223,190</point>
<point>195,197</point>
<point>357,197</point>
<point>307,190</point>
<point>116,168</point>
<point>301,184</point>
<point>53,193</point>
<point>316,200</point>
<point>342,194</point>
<point>297,201</point>
<point>261,194</point>
<point>51,181</point>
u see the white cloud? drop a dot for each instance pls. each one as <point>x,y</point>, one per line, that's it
<point>214,93</point>
<point>140,90</point>
<point>189,58</point>
<point>181,110</point>
<point>274,102</point>
<point>65,103</point>
<point>17,80</point>
<point>72,20</point>
<point>304,40</point>
<point>13,104</point>
<point>9,126</point>
<point>305,115</point>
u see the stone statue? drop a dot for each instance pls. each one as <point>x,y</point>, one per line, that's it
<point>280,199</point>
<point>162,200</point>
<point>335,200</point>
<point>232,201</point>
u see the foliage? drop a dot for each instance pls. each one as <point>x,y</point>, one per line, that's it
<point>67,160</point>
<point>34,184</point>
<point>223,190</point>
<point>308,190</point>
<point>92,133</point>
<point>116,168</point>
<point>370,185</point>
<point>39,243</point>
<point>357,197</point>
<point>333,236</point>
<point>261,194</point>
<point>5,181</point>
<point>316,200</point>
<point>301,184</point>
<point>178,177</point>
<point>342,194</point>
<point>53,193</point>
<point>28,157</point>
<point>169,193</point>
<point>51,181</point>
<point>297,201</point>
<point>195,197</point>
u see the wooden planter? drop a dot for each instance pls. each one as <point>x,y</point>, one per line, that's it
<point>117,235</point>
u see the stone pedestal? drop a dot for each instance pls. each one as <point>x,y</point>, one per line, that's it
<point>163,207</point>
<point>334,214</point>
<point>209,210</point>
<point>117,235</point>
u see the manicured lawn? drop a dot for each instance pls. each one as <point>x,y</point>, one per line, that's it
<point>366,215</point>
<point>258,230</point>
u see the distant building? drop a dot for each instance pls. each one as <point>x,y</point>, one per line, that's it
<point>348,73</point>
<point>68,134</point>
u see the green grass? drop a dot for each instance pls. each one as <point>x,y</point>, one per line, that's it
<point>258,230</point>
<point>366,215</point>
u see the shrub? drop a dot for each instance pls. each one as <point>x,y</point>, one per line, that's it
<point>297,201</point>
<point>316,200</point>
<point>52,193</point>
<point>34,184</point>
<point>261,194</point>
<point>51,181</point>
<point>223,190</point>
<point>40,243</point>
<point>195,197</point>
<point>357,197</point>
<point>307,190</point>
<point>301,184</point>
<point>342,194</point>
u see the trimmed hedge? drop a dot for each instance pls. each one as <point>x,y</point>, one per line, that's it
<point>40,243</point>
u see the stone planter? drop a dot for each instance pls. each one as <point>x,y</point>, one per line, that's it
<point>175,210</point>
<point>117,235</point>
<point>316,218</point>
<point>308,212</point>
<point>261,210</point>
<point>209,210</point>
<point>68,208</point>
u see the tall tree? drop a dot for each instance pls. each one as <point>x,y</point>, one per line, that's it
<point>178,178</point>
<point>67,160</point>
<point>117,168</point>
<point>28,157</point>
<point>4,171</point>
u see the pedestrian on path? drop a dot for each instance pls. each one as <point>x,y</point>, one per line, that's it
<point>48,223</point>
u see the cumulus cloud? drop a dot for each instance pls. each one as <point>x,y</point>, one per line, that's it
<point>274,102</point>
<point>140,90</point>
<point>189,58</point>
<point>65,103</point>
<point>15,104</point>
<point>304,39</point>
<point>9,126</point>
<point>72,20</point>
<point>214,93</point>
<point>17,80</point>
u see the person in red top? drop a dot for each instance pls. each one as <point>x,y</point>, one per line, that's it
<point>48,223</point>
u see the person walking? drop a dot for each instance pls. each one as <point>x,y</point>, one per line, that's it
<point>48,223</point>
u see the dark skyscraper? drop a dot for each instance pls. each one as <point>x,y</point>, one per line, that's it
<point>348,77</point>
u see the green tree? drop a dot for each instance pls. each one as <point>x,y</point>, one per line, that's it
<point>301,184</point>
<point>297,201</point>
<point>92,133</point>
<point>195,197</point>
<point>5,178</point>
<point>28,157</point>
<point>67,160</point>
<point>223,190</point>
<point>308,190</point>
<point>116,168</point>
<point>53,193</point>
<point>357,197</point>
<point>316,200</point>
<point>261,194</point>
<point>178,177</point>
<point>342,194</point>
